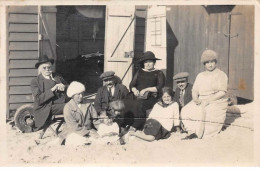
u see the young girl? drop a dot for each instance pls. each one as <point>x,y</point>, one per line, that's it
<point>164,115</point>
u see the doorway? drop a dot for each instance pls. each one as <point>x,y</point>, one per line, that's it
<point>80,37</point>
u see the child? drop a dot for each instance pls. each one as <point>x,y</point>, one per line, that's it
<point>164,115</point>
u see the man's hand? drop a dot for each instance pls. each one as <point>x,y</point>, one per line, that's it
<point>103,114</point>
<point>60,87</point>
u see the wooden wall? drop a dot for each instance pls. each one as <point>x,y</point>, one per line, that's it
<point>23,53</point>
<point>192,29</point>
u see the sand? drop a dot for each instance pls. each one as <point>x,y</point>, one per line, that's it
<point>232,147</point>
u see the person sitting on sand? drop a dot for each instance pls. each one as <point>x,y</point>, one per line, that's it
<point>78,114</point>
<point>183,93</point>
<point>205,114</point>
<point>111,91</point>
<point>164,115</point>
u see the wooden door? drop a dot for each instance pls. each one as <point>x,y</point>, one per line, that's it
<point>47,31</point>
<point>119,41</point>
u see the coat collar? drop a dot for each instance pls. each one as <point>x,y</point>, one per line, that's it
<point>73,106</point>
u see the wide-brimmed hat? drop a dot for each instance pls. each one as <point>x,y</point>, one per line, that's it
<point>43,59</point>
<point>148,55</point>
<point>75,88</point>
<point>106,75</point>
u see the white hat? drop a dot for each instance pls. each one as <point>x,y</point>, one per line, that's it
<point>75,88</point>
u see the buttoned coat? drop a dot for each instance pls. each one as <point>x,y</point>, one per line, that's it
<point>79,120</point>
<point>43,98</point>
<point>187,95</point>
<point>102,97</point>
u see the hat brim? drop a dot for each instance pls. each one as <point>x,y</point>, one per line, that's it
<point>142,60</point>
<point>39,63</point>
<point>181,79</point>
<point>108,77</point>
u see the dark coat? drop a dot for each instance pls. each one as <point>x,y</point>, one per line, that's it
<point>44,98</point>
<point>102,97</point>
<point>187,95</point>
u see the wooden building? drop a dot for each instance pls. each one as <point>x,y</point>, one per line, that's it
<point>176,34</point>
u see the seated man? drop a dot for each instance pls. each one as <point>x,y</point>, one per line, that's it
<point>183,93</point>
<point>111,91</point>
<point>48,91</point>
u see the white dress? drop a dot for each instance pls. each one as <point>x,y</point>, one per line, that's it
<point>207,84</point>
<point>167,116</point>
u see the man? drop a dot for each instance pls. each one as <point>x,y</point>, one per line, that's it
<point>183,93</point>
<point>111,91</point>
<point>48,91</point>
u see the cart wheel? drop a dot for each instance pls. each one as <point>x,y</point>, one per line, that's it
<point>24,118</point>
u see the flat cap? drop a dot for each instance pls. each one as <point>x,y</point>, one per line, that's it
<point>106,75</point>
<point>181,76</point>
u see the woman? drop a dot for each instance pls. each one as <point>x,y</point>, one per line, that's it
<point>164,115</point>
<point>146,84</point>
<point>205,115</point>
<point>78,114</point>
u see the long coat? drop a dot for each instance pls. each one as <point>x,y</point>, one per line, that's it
<point>79,120</point>
<point>187,95</point>
<point>44,98</point>
<point>102,97</point>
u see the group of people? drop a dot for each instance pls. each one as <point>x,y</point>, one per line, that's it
<point>148,110</point>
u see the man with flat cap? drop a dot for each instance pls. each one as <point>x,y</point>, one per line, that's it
<point>183,93</point>
<point>111,91</point>
<point>48,92</point>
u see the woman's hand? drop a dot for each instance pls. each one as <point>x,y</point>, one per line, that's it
<point>143,92</point>
<point>205,103</point>
<point>197,101</point>
<point>135,91</point>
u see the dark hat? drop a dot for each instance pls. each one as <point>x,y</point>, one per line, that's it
<point>181,76</point>
<point>43,59</point>
<point>148,55</point>
<point>106,75</point>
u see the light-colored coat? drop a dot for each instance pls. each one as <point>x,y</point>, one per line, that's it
<point>79,120</point>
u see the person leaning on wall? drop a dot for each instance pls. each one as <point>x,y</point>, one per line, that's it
<point>48,90</point>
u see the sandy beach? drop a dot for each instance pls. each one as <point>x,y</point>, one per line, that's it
<point>234,146</point>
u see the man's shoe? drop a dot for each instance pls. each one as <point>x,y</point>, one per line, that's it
<point>191,136</point>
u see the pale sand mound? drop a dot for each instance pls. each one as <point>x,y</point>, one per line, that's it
<point>232,147</point>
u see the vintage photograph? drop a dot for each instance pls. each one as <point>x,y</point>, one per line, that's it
<point>129,83</point>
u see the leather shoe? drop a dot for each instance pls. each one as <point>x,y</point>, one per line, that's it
<point>191,136</point>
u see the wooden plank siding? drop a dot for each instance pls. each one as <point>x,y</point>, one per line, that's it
<point>241,66</point>
<point>192,29</point>
<point>186,40</point>
<point>23,53</point>
<point>20,81</point>
<point>23,28</point>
